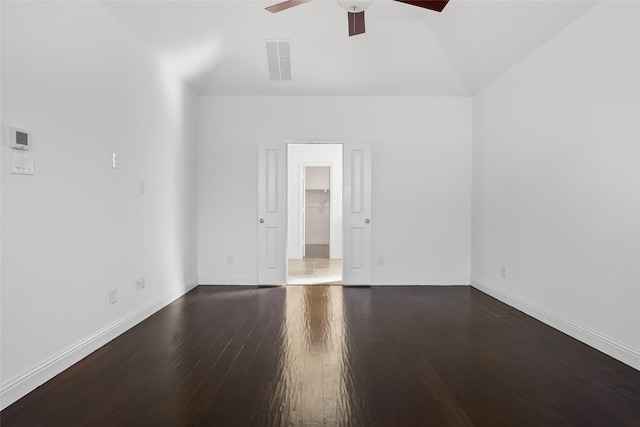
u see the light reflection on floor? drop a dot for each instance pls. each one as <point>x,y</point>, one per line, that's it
<point>314,371</point>
<point>315,271</point>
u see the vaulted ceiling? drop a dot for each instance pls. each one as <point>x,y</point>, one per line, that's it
<point>218,46</point>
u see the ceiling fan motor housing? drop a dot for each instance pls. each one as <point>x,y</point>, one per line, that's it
<point>354,6</point>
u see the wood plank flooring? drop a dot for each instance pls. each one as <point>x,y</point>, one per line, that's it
<point>334,356</point>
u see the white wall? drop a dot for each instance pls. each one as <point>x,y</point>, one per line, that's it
<point>556,182</point>
<point>85,87</point>
<point>299,155</point>
<point>421,179</point>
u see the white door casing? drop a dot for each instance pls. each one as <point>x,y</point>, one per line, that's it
<point>303,210</point>
<point>272,214</point>
<point>356,264</point>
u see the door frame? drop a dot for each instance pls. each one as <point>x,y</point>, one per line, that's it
<point>300,168</point>
<point>345,144</point>
<point>301,205</point>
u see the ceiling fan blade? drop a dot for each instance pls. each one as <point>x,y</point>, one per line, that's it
<point>356,23</point>
<point>285,5</point>
<point>436,5</point>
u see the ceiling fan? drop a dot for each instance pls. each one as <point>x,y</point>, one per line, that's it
<point>355,9</point>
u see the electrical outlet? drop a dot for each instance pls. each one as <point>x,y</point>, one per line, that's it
<point>504,271</point>
<point>230,259</point>
<point>113,295</point>
<point>142,282</point>
<point>138,284</point>
<point>381,260</point>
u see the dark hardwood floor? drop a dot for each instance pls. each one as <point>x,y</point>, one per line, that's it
<point>327,355</point>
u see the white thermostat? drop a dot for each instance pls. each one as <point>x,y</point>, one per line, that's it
<point>19,139</point>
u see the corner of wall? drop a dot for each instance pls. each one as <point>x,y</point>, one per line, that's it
<point>21,385</point>
<point>605,344</point>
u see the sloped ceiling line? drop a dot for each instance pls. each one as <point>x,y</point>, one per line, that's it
<point>217,47</point>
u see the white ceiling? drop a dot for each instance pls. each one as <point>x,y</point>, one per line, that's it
<point>217,46</point>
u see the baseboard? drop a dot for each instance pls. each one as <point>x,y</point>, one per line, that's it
<point>613,348</point>
<point>316,242</point>
<point>23,384</point>
<point>192,283</point>
<point>231,280</point>
<point>377,280</point>
<point>419,281</point>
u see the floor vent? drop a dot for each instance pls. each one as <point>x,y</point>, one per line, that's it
<point>279,61</point>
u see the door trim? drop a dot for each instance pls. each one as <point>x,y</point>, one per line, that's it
<point>301,197</point>
<point>345,144</point>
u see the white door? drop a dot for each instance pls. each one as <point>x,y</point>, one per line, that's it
<point>356,263</point>
<point>272,214</point>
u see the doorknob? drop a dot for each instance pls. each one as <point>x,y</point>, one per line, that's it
<point>366,221</point>
<point>261,220</point>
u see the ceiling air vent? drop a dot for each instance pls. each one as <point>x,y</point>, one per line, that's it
<point>279,61</point>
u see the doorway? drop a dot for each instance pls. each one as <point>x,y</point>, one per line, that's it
<point>314,246</point>
<point>317,211</point>
<point>351,210</point>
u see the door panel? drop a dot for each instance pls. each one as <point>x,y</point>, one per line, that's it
<point>272,247</point>
<point>356,269</point>
<point>356,247</point>
<point>272,214</point>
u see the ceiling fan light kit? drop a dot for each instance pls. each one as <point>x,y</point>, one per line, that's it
<point>354,6</point>
<point>355,9</point>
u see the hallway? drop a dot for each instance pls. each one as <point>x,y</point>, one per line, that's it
<point>315,271</point>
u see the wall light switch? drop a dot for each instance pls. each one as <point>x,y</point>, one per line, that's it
<point>114,160</point>
<point>141,187</point>
<point>22,162</point>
